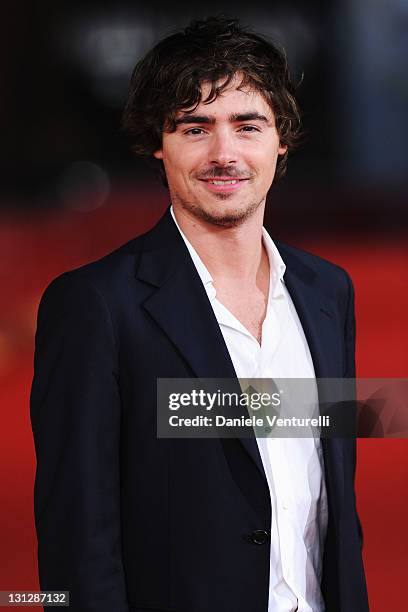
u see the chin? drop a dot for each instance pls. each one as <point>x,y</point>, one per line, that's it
<point>225,215</point>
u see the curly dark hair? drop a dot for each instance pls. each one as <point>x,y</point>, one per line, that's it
<point>169,77</point>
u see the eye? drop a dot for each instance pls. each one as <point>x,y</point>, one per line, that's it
<point>249,128</point>
<point>195,131</point>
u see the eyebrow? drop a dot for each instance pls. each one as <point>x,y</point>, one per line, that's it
<point>233,118</point>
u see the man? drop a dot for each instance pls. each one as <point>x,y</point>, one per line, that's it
<point>127,521</point>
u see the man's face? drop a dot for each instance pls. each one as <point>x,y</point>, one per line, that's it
<point>221,160</point>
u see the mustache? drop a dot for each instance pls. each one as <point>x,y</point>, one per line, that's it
<point>224,171</point>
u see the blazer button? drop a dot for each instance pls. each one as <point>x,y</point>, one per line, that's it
<point>259,536</point>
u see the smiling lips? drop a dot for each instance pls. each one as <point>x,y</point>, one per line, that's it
<point>222,184</point>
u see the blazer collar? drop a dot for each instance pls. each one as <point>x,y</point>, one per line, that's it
<point>316,312</point>
<point>180,304</point>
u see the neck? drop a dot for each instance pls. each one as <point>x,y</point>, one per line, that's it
<point>233,252</point>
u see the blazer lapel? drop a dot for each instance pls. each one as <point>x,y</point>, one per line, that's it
<point>318,315</point>
<point>180,306</point>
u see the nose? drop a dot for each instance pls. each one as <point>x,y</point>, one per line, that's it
<point>222,151</point>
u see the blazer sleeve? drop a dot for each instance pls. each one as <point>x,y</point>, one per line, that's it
<point>350,332</point>
<point>75,416</point>
<point>350,339</point>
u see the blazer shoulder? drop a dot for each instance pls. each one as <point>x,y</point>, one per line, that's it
<point>106,276</point>
<point>330,279</point>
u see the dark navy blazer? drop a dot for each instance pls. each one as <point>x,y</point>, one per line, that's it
<point>127,521</point>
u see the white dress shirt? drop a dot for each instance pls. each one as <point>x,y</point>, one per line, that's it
<point>293,466</point>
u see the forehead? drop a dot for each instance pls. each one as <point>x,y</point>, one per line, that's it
<point>235,98</point>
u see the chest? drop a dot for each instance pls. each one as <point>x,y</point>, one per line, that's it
<point>248,305</point>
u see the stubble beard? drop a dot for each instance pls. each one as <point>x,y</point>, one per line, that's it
<point>228,219</point>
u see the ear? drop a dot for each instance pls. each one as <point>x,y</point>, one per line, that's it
<point>282,150</point>
<point>158,154</point>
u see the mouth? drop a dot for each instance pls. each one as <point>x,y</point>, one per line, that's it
<point>224,184</point>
